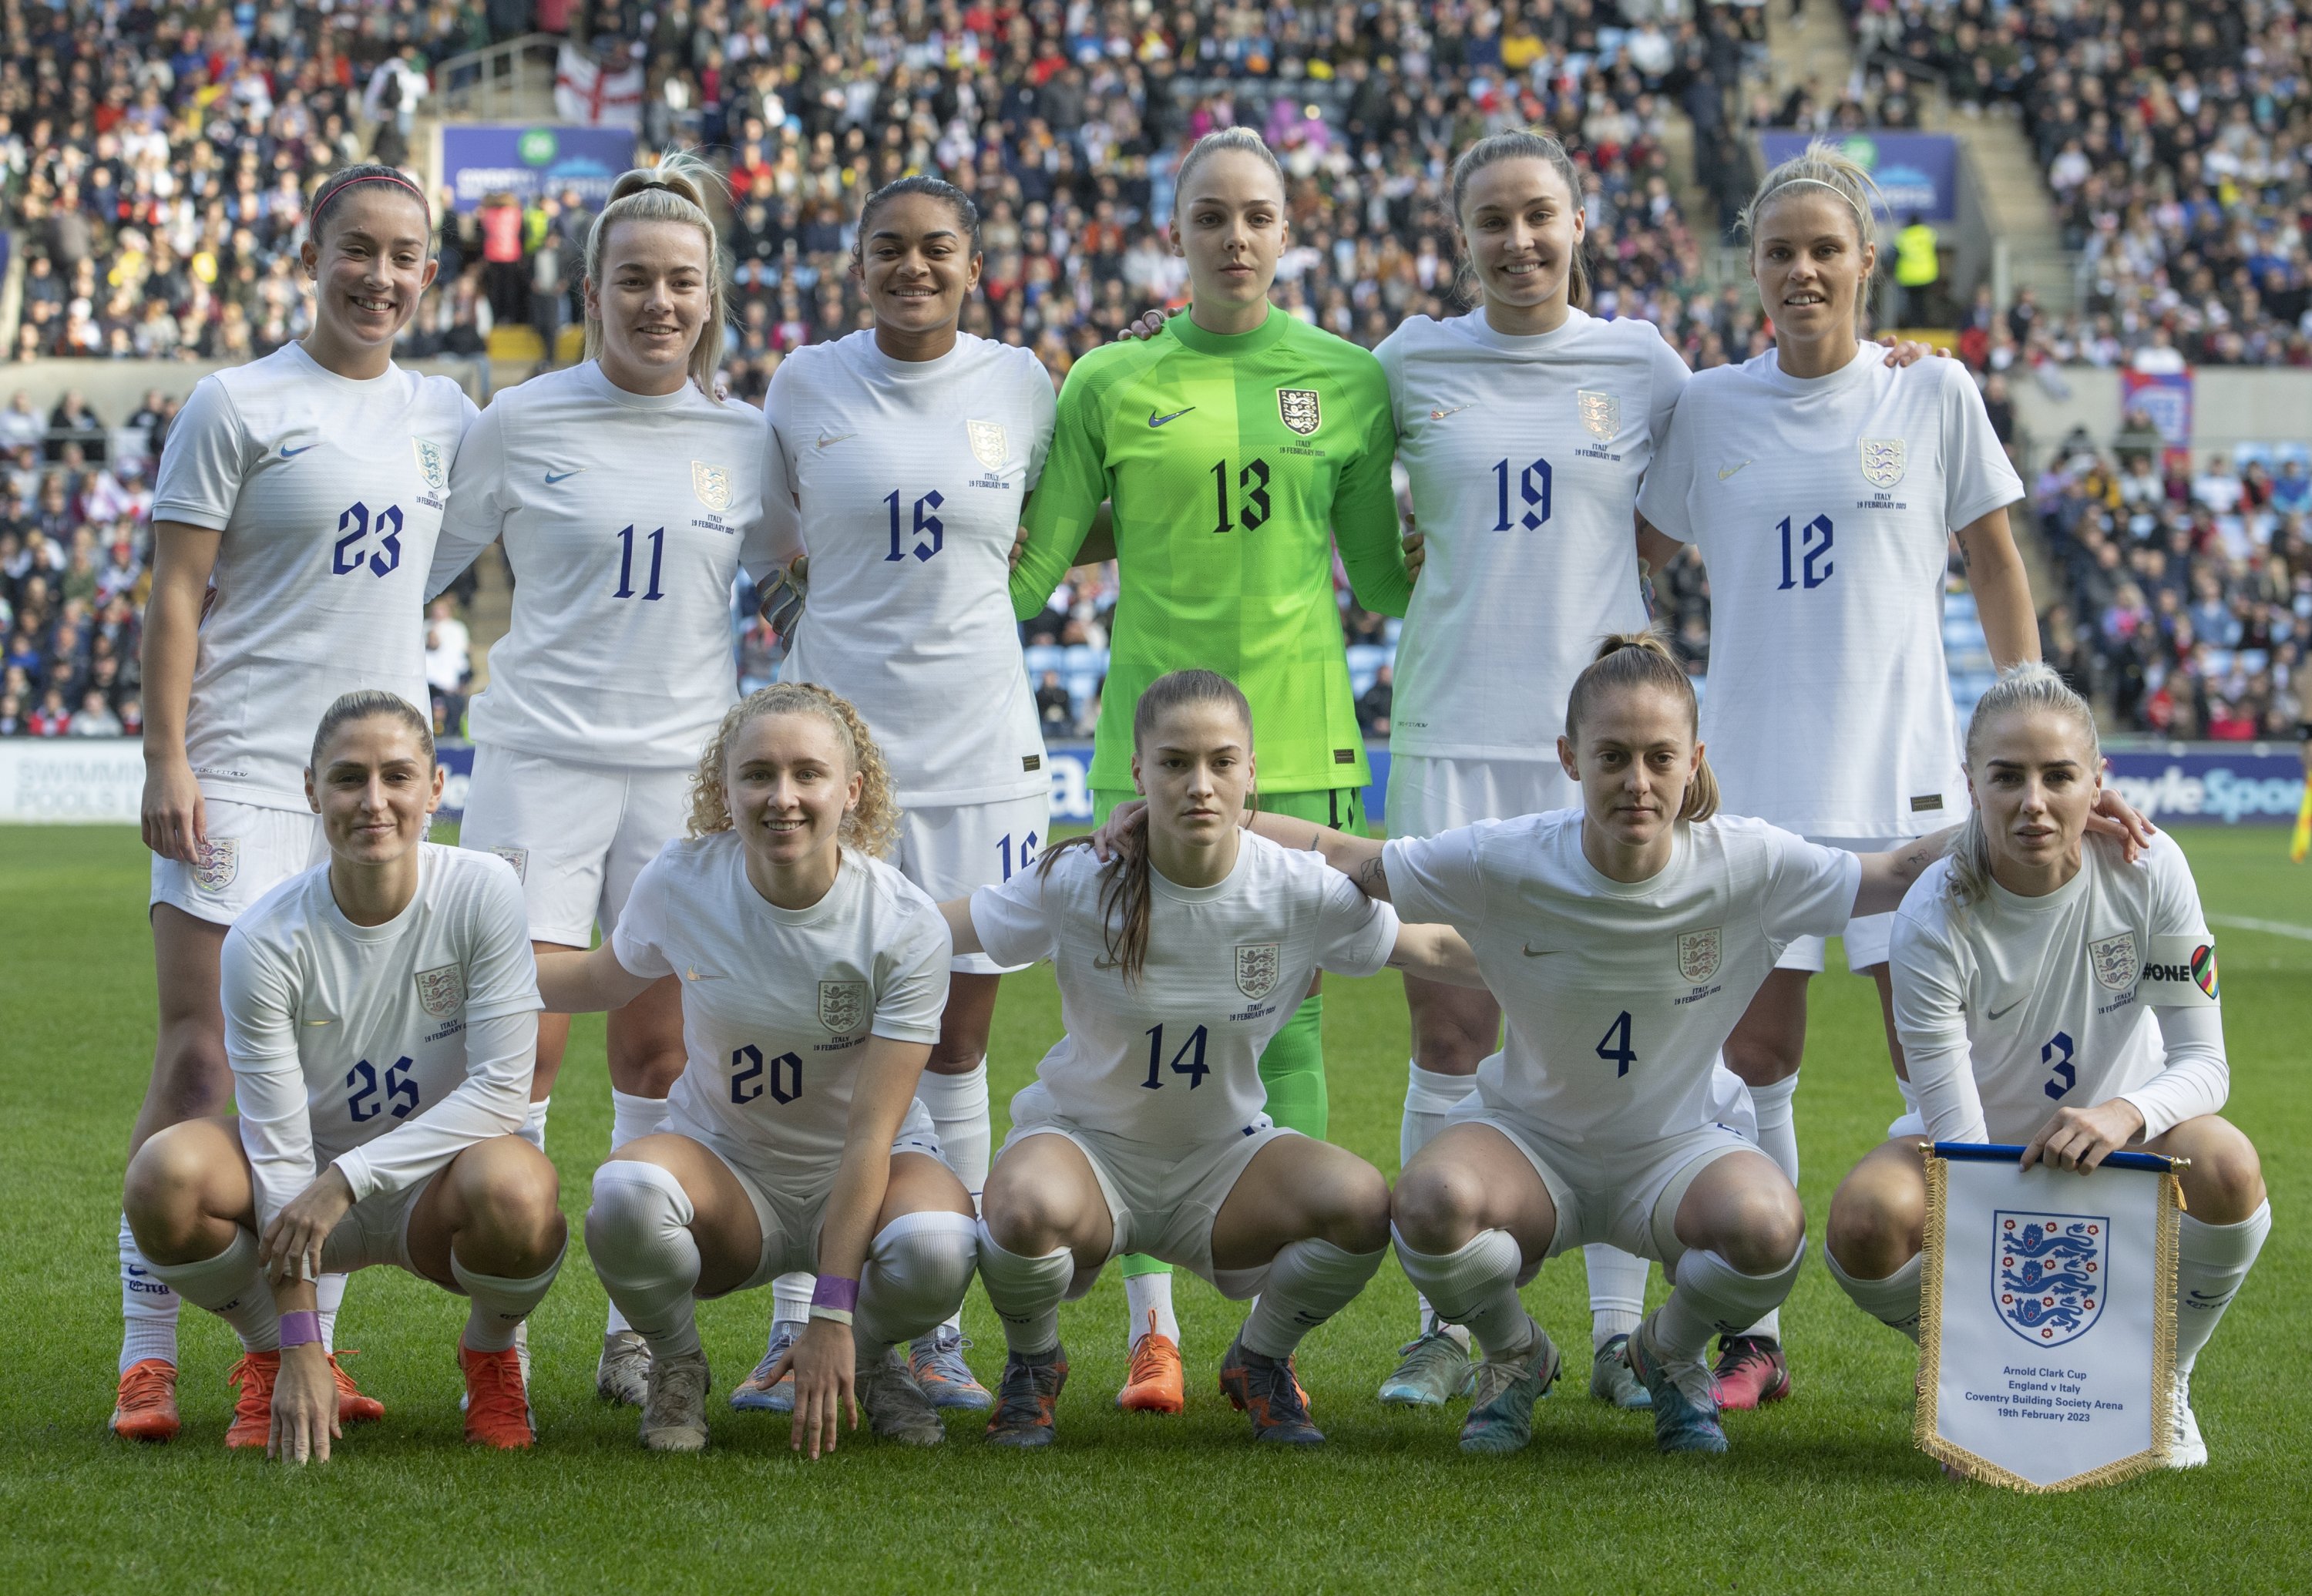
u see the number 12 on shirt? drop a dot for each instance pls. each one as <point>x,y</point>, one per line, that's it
<point>1812,542</point>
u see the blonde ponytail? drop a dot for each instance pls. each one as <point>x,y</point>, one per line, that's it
<point>2031,685</point>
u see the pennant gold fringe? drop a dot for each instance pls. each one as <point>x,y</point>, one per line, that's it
<point>2163,1351</point>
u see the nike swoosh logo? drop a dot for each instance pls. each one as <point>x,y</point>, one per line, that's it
<point>1726,471</point>
<point>2002,1013</point>
<point>553,477</point>
<point>1542,952</point>
<point>289,453</point>
<point>2208,1296</point>
<point>317,1022</point>
<point>1156,420</point>
<point>826,443</point>
<point>1456,411</point>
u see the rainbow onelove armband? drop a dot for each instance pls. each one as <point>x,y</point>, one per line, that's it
<point>835,1297</point>
<point>299,1328</point>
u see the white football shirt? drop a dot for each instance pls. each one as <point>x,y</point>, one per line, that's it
<point>906,481</point>
<point>1525,455</point>
<point>777,1005</point>
<point>329,494</point>
<point>385,1050</point>
<point>1173,1058</point>
<point>627,517</point>
<point>1619,994</point>
<point>2011,1008</point>
<point>1823,508</point>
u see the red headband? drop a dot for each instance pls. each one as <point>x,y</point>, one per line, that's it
<point>386,176</point>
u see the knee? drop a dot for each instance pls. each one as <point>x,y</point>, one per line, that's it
<point>1760,1061</point>
<point>2225,1183</point>
<point>513,1190</point>
<point>634,1203</point>
<point>1024,1215</point>
<point>931,1254</point>
<point>191,1079</point>
<point>1765,1228</point>
<point>1876,1225</point>
<point>1435,1209</point>
<point>1359,1216</point>
<point>1447,1043</point>
<point>162,1196</point>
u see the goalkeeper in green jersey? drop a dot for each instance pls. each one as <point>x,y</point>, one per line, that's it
<point>1232,448</point>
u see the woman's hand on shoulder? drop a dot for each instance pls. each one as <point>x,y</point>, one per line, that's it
<point>1415,544</point>
<point>1903,352</point>
<point>1150,322</point>
<point>1122,817</point>
<point>2115,817</point>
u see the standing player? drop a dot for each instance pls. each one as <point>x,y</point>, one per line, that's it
<point>293,518</point>
<point>900,459</point>
<point>2035,967</point>
<point>1233,447</point>
<point>627,496</point>
<point>1823,490</point>
<point>381,1020</point>
<point>1641,920</point>
<point>1176,961</point>
<point>813,974</point>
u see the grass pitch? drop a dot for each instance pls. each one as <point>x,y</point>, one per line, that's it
<point>1823,1492</point>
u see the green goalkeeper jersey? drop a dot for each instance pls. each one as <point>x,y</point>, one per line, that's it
<point>1231,463</point>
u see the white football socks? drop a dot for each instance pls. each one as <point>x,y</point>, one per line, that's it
<point>1476,1288</point>
<point>1778,1139</point>
<point>230,1287</point>
<point>2212,1262</point>
<point>1712,1294</point>
<point>1026,1292</point>
<point>1618,1292</point>
<point>1429,1097</point>
<point>1893,1301</point>
<point>148,1308</point>
<point>499,1305</point>
<point>957,1105</point>
<point>790,1298</point>
<point>918,1268</point>
<point>1309,1281</point>
<point>638,1235</point>
<point>1147,1295</point>
<point>328,1296</point>
<point>631,1118</point>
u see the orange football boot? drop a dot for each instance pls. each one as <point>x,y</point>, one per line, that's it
<point>1154,1383</point>
<point>146,1406</point>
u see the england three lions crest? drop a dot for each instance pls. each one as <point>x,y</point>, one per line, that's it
<point>442,993</point>
<point>989,446</point>
<point>2114,962</point>
<point>433,465</point>
<point>217,864</point>
<point>1698,953</point>
<point>843,1006</point>
<point>2047,1272</point>
<point>1882,462</point>
<point>1601,414</point>
<point>1259,965</point>
<point>1298,408</point>
<point>711,484</point>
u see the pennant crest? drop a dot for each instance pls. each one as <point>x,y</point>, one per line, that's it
<point>711,484</point>
<point>1299,409</point>
<point>2115,962</point>
<point>442,993</point>
<point>1258,966</point>
<point>989,446</point>
<point>1601,414</point>
<point>432,464</point>
<point>1882,462</point>
<point>218,865</point>
<point>1698,953</point>
<point>843,1006</point>
<point>2047,1272</point>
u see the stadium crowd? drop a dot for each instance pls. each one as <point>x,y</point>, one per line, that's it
<point>2172,137</point>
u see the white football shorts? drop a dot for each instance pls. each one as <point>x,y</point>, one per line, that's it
<point>1163,1198</point>
<point>250,851</point>
<point>577,835</point>
<point>789,1216</point>
<point>1608,1193</point>
<point>1868,937</point>
<point>952,850</point>
<point>1428,795</point>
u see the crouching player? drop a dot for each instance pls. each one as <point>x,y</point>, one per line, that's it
<point>813,978</point>
<point>382,1023</point>
<point>1644,922</point>
<point>2036,968</point>
<point>1178,959</point>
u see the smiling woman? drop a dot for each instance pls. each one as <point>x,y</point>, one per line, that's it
<point>627,496</point>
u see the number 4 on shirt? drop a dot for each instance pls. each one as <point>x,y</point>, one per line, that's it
<point>1614,1047</point>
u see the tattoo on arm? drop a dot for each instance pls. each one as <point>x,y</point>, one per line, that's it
<point>1965,555</point>
<point>1370,876</point>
